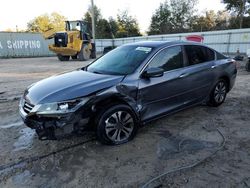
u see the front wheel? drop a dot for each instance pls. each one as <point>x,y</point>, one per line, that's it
<point>116,125</point>
<point>63,58</point>
<point>85,53</point>
<point>218,94</point>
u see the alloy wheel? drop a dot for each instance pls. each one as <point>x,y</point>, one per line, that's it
<point>220,92</point>
<point>119,126</point>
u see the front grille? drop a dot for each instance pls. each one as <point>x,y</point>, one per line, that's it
<point>27,107</point>
<point>61,39</point>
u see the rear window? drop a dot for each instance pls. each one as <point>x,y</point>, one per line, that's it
<point>199,54</point>
<point>220,56</point>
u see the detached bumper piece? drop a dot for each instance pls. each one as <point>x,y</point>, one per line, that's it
<point>58,127</point>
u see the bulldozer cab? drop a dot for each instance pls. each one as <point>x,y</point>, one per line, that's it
<point>76,26</point>
<point>80,26</point>
<point>74,42</point>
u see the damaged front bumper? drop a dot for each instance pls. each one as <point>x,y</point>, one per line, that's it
<point>55,126</point>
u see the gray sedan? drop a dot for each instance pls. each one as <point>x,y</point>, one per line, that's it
<point>129,86</point>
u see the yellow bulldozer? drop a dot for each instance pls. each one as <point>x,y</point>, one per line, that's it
<point>75,42</point>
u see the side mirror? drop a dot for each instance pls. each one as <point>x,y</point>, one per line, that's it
<point>153,72</point>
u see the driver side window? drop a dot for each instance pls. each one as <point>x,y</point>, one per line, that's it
<point>168,59</point>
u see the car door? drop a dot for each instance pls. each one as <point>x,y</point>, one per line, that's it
<point>164,94</point>
<point>200,69</point>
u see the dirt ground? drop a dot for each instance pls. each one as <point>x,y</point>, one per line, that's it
<point>174,141</point>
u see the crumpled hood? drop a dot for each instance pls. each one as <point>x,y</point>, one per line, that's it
<point>68,86</point>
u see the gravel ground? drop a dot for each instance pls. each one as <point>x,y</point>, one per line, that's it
<point>171,142</point>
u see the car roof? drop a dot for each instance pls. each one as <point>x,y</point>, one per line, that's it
<point>160,44</point>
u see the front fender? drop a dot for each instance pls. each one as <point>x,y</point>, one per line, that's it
<point>120,93</point>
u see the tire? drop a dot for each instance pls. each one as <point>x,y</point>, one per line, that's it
<point>116,125</point>
<point>85,53</point>
<point>93,51</point>
<point>63,58</point>
<point>218,94</point>
<point>248,66</point>
<point>74,57</point>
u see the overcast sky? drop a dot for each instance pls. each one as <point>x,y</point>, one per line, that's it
<point>19,12</point>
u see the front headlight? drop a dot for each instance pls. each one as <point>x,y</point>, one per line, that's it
<point>60,107</point>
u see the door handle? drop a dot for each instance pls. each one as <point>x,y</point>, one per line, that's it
<point>183,75</point>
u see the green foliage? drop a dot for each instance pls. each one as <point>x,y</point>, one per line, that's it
<point>222,20</point>
<point>103,29</point>
<point>172,17</point>
<point>87,19</point>
<point>234,22</point>
<point>101,24</point>
<point>113,27</point>
<point>176,16</point>
<point>239,8</point>
<point>46,22</point>
<point>211,21</point>
<point>87,16</point>
<point>206,22</point>
<point>182,12</point>
<point>161,20</point>
<point>127,25</point>
<point>246,22</point>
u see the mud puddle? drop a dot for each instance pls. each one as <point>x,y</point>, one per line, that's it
<point>11,125</point>
<point>25,139</point>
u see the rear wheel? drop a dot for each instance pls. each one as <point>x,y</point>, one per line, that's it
<point>93,51</point>
<point>74,57</point>
<point>248,66</point>
<point>218,94</point>
<point>85,53</point>
<point>63,58</point>
<point>116,125</point>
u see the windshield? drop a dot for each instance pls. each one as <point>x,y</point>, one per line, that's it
<point>76,26</point>
<point>120,61</point>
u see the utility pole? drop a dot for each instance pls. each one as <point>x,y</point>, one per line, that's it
<point>93,20</point>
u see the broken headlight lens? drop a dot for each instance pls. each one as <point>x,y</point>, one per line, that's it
<point>60,107</point>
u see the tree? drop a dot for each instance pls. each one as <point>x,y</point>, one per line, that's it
<point>113,27</point>
<point>182,12</point>
<point>102,25</point>
<point>103,29</point>
<point>127,25</point>
<point>40,24</point>
<point>161,21</point>
<point>46,22</point>
<point>207,22</point>
<point>87,19</point>
<point>211,21</point>
<point>124,26</point>
<point>222,20</point>
<point>174,16</point>
<point>246,22</point>
<point>234,22</point>
<point>239,8</point>
<point>58,21</point>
